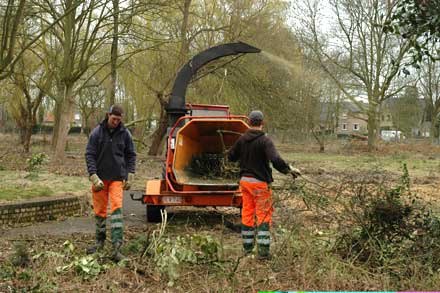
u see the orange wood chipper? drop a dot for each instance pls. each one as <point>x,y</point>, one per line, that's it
<point>195,130</point>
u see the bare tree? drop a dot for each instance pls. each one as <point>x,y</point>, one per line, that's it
<point>369,56</point>
<point>79,38</point>
<point>76,44</point>
<point>12,17</point>
<point>90,101</point>
<point>30,81</point>
<point>148,77</point>
<point>203,24</point>
<point>114,52</point>
<point>164,71</point>
<point>163,99</point>
<point>406,111</point>
<point>429,84</point>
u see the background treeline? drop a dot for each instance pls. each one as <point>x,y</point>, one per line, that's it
<point>67,57</point>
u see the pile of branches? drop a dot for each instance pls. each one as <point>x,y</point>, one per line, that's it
<point>214,166</point>
<point>390,229</point>
<point>384,226</point>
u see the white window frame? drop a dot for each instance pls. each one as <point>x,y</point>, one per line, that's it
<point>356,127</point>
<point>344,126</point>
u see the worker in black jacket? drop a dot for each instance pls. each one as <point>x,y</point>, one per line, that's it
<point>111,161</point>
<point>255,150</point>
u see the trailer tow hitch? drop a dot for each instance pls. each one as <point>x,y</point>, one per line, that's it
<point>136,194</point>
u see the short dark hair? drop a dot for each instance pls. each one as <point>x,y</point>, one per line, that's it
<point>256,118</point>
<point>116,110</point>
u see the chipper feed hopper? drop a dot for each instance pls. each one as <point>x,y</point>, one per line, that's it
<point>197,139</point>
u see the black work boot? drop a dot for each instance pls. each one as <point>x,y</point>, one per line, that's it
<point>116,255</point>
<point>99,246</point>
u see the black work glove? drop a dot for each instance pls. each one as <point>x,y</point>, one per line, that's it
<point>294,172</point>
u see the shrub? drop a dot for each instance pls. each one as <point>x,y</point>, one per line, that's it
<point>390,228</point>
<point>34,162</point>
<point>168,255</point>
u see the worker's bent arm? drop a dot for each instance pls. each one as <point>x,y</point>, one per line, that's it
<point>273,155</point>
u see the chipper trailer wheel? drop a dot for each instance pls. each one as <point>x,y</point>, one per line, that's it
<point>154,213</point>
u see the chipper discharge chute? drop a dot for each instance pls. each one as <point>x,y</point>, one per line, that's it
<point>196,171</point>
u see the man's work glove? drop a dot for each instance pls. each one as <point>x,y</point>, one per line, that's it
<point>98,185</point>
<point>128,182</point>
<point>294,172</point>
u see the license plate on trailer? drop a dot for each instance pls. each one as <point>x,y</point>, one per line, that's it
<point>171,199</point>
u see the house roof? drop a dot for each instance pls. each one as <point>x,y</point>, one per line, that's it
<point>344,106</point>
<point>352,107</point>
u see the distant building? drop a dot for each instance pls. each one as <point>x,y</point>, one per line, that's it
<point>77,120</point>
<point>351,120</point>
<point>48,119</point>
<point>386,119</point>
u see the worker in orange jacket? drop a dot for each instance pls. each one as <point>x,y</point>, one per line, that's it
<point>255,150</point>
<point>111,161</point>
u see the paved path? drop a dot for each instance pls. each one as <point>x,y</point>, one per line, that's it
<point>134,214</point>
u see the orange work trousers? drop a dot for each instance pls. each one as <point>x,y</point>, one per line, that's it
<point>257,203</point>
<point>113,191</point>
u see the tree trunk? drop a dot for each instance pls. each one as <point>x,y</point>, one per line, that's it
<point>184,48</point>
<point>372,128</point>
<point>320,140</point>
<point>85,125</point>
<point>22,133</point>
<point>114,53</point>
<point>56,123</point>
<point>29,124</point>
<point>27,137</point>
<point>12,17</point>
<point>377,130</point>
<point>159,133</point>
<point>435,123</point>
<point>66,114</point>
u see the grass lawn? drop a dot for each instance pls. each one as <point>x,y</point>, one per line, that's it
<point>19,185</point>
<point>417,165</point>
<point>316,236</point>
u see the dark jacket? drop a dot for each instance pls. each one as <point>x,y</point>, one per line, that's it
<point>255,150</point>
<point>110,155</point>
